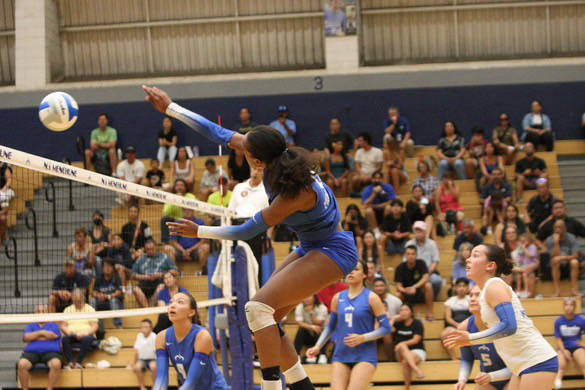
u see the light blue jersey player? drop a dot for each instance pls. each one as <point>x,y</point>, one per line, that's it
<point>494,373</point>
<point>353,317</point>
<point>190,349</point>
<point>300,201</point>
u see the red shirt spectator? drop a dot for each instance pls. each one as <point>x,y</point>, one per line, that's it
<point>326,295</point>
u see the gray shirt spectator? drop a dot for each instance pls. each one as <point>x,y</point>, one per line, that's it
<point>569,245</point>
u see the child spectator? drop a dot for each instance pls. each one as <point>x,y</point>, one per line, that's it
<point>310,317</point>
<point>145,356</point>
<point>155,177</point>
<point>524,254</point>
<point>569,329</point>
<point>456,311</point>
<point>408,338</point>
<point>412,281</point>
<point>397,227</point>
<point>428,182</point>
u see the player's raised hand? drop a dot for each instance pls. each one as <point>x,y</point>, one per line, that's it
<point>159,98</point>
<point>183,228</point>
<point>456,339</point>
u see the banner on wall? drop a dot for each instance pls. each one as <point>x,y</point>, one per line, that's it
<point>340,17</point>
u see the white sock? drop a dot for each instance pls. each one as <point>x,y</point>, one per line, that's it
<point>296,373</point>
<point>272,385</point>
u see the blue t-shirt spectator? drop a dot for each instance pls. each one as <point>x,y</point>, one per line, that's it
<point>570,331</point>
<point>402,127</point>
<point>460,271</point>
<point>186,242</point>
<point>42,347</point>
<point>165,295</point>
<point>387,195</point>
<point>120,256</point>
<point>280,127</point>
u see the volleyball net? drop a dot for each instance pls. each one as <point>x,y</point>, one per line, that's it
<point>58,216</point>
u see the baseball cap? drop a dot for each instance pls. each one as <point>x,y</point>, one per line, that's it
<point>130,149</point>
<point>282,108</point>
<point>420,225</point>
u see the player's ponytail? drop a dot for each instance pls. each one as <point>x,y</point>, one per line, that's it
<point>288,170</point>
<point>496,254</point>
<point>193,305</point>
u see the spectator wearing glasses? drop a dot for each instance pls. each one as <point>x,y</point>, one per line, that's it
<point>505,138</point>
<point>287,127</point>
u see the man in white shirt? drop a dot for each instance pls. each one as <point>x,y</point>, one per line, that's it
<point>428,251</point>
<point>247,199</point>
<point>392,304</point>
<point>131,170</point>
<point>368,159</point>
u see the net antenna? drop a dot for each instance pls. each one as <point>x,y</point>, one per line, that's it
<point>53,168</point>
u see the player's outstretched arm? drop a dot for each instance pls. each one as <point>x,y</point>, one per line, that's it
<point>201,365</point>
<point>328,331</point>
<point>465,368</point>
<point>162,363</point>
<point>163,103</point>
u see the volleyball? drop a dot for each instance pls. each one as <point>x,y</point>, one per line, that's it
<point>58,111</point>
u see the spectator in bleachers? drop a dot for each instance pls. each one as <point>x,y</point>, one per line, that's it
<point>164,299</point>
<point>397,227</point>
<point>420,209</point>
<point>310,316</point>
<point>447,203</point>
<point>494,210</point>
<point>238,168</point>
<point>428,182</point>
<point>79,331</point>
<point>511,218</point>
<point>368,161</point>
<point>102,147</point>
<point>497,184</point>
<point>564,251</point>
<point>246,123</point>
<point>120,253</point>
<point>287,127</point>
<point>505,139</point>
<point>468,234</point>
<point>145,356</point>
<point>476,151</point>
<point>524,254</point>
<point>100,235</point>
<point>397,133</point>
<point>107,292</point>
<point>538,128</point>
<point>427,251</point>
<point>191,249</point>
<point>43,345</point>
<point>149,271</point>
<point>336,134</point>
<point>326,295</point>
<point>337,167</point>
<point>394,169</point>
<point>131,170</point>
<point>354,222</point>
<point>63,286</point>
<point>409,345</point>
<point>135,232</point>
<point>456,311</point>
<point>528,170</point>
<point>6,195</point>
<point>450,151</point>
<point>392,305</point>
<point>168,140</point>
<point>540,206</point>
<point>412,281</point>
<point>155,177</point>
<point>559,211</point>
<point>489,164</point>
<point>216,197</point>
<point>183,169</point>
<point>372,251</point>
<point>375,198</point>
<point>210,179</point>
<point>569,329</point>
<point>82,251</point>
<point>372,275</point>
<point>459,264</point>
<point>171,212</point>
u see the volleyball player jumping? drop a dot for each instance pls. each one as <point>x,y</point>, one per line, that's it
<point>300,201</point>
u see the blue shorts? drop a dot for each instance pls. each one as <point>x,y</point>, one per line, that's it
<point>353,364</point>
<point>499,385</point>
<point>550,365</point>
<point>339,247</point>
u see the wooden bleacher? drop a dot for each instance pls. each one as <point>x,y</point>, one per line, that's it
<point>437,369</point>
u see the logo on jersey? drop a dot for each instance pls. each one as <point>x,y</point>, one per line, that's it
<point>484,348</point>
<point>179,357</point>
<point>203,363</point>
<point>349,308</point>
<point>327,198</point>
<point>169,344</point>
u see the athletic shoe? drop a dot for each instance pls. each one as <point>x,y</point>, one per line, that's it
<point>311,360</point>
<point>322,359</point>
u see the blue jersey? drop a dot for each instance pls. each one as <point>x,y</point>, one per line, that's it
<point>570,331</point>
<point>355,316</point>
<point>321,221</point>
<point>181,355</point>
<point>489,360</point>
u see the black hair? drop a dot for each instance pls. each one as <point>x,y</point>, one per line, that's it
<point>353,206</point>
<point>169,118</point>
<point>366,136</point>
<point>378,173</point>
<point>148,321</point>
<point>134,205</point>
<point>496,197</point>
<point>419,186</point>
<point>462,280</point>
<point>444,134</point>
<point>413,247</point>
<point>316,300</point>
<point>496,152</point>
<point>374,248</point>
<point>98,212</point>
<point>409,305</point>
<point>425,162</point>
<point>149,240</point>
<point>103,114</point>
<point>557,200</point>
<point>247,109</point>
<point>476,130</point>
<point>381,279</point>
<point>537,101</point>
<point>210,161</point>
<point>288,170</point>
<point>397,201</point>
<point>180,180</point>
<point>343,155</point>
<point>496,254</point>
<point>193,305</point>
<point>109,261</point>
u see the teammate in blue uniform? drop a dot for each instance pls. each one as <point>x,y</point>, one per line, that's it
<point>568,332</point>
<point>494,375</point>
<point>190,348</point>
<point>300,201</point>
<point>353,316</point>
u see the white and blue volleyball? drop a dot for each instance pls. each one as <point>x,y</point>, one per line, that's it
<point>58,111</point>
